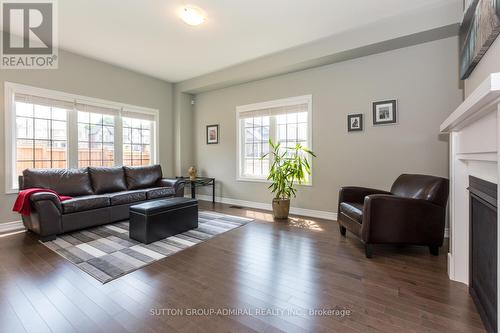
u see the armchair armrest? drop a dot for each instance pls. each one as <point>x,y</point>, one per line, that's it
<point>176,183</point>
<point>46,196</point>
<point>393,219</point>
<point>357,194</point>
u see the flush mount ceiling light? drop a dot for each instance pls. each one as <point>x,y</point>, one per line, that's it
<point>192,15</point>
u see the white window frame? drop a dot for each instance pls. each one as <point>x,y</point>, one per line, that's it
<point>290,101</point>
<point>10,89</point>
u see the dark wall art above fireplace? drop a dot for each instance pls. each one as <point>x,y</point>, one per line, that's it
<point>479,29</point>
<point>483,224</point>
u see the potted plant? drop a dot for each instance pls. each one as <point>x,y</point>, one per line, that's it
<point>289,167</point>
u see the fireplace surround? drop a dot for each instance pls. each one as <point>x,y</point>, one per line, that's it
<point>483,229</point>
<point>473,137</point>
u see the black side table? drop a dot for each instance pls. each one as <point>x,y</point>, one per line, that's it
<point>198,182</point>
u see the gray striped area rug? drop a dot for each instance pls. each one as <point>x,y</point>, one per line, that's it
<point>106,252</point>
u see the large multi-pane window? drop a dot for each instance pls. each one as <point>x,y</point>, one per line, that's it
<point>95,139</point>
<point>49,129</point>
<point>40,133</point>
<point>136,141</point>
<point>285,121</point>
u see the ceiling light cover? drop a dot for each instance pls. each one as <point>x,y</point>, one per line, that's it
<point>192,15</point>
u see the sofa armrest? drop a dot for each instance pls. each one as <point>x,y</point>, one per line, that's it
<point>393,219</point>
<point>357,194</point>
<point>42,196</point>
<point>176,183</point>
<point>45,217</point>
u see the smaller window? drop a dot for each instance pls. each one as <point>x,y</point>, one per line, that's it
<point>286,121</point>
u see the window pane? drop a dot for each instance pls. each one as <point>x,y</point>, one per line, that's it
<point>24,109</point>
<point>291,118</point>
<point>59,114</point>
<point>281,119</point>
<point>281,132</point>
<point>83,117</point>
<point>146,134</point>
<point>248,167</point>
<point>126,122</point>
<point>95,133</point>
<point>59,164</point>
<point>302,117</point>
<point>257,121</point>
<point>136,135</point>
<point>248,135</point>
<point>21,166</point>
<point>108,120</point>
<point>59,150</point>
<point>292,132</point>
<point>265,134</point>
<point>42,164</point>
<point>42,111</point>
<point>108,134</point>
<point>41,129</point>
<point>83,163</point>
<point>83,132</point>
<point>248,122</point>
<point>96,118</point>
<point>59,130</point>
<point>24,150</point>
<point>108,152</point>
<point>127,135</point>
<point>249,150</point>
<point>302,132</point>
<point>42,150</point>
<point>83,151</point>
<point>24,127</point>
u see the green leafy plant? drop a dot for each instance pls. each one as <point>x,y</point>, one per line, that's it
<point>289,166</point>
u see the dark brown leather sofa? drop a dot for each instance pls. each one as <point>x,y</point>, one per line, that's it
<point>413,212</point>
<point>100,195</point>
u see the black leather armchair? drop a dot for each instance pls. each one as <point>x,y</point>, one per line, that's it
<point>413,212</point>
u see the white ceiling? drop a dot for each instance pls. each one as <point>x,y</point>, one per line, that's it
<point>147,35</point>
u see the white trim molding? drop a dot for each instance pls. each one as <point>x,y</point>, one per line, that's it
<point>9,227</point>
<point>267,206</point>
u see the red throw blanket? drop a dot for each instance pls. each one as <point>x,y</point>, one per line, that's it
<point>22,204</point>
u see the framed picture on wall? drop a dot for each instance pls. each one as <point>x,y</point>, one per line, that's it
<point>355,122</point>
<point>212,134</point>
<point>385,112</point>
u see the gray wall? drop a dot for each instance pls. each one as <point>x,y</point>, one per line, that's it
<point>424,78</point>
<point>92,78</point>
<point>489,64</point>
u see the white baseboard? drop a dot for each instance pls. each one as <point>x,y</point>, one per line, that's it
<point>267,206</point>
<point>11,227</point>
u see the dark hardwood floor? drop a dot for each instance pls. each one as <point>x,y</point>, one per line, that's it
<point>287,268</point>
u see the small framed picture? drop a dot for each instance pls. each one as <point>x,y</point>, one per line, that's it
<point>355,122</point>
<point>385,112</point>
<point>212,134</point>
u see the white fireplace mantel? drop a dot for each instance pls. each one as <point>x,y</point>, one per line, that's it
<point>474,142</point>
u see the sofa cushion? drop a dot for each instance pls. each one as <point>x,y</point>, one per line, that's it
<point>142,176</point>
<point>106,180</point>
<point>86,202</point>
<point>352,210</point>
<point>160,192</point>
<point>72,182</point>
<point>125,197</point>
